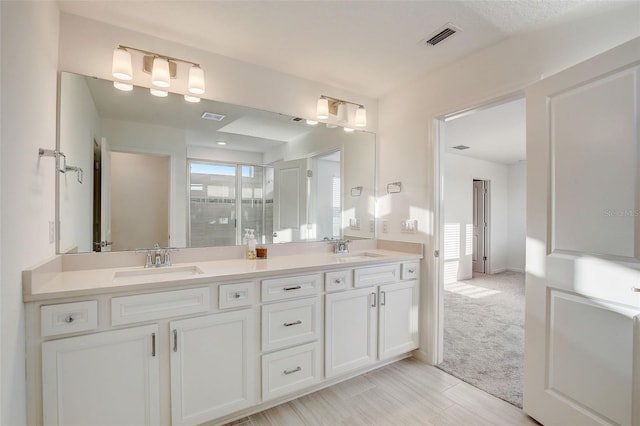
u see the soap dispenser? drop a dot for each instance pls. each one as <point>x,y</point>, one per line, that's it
<point>251,243</point>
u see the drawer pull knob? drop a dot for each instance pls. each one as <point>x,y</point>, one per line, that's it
<point>411,271</point>
<point>337,281</point>
<point>69,319</point>
<point>295,370</point>
<point>175,340</point>
<point>153,344</point>
<point>298,287</point>
<point>289,324</point>
<point>236,295</point>
<point>373,302</point>
<point>635,289</point>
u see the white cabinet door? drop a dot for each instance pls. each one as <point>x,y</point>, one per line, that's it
<point>212,366</point>
<point>582,324</point>
<point>351,329</point>
<point>109,378</point>
<point>398,328</point>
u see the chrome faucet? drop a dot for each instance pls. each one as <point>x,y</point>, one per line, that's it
<point>341,246</point>
<point>161,257</point>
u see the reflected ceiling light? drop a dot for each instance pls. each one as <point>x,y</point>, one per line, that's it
<point>349,129</point>
<point>322,110</point>
<point>361,117</point>
<point>331,126</point>
<point>161,67</point>
<point>328,106</point>
<point>159,92</point>
<point>192,99</point>
<point>126,87</point>
<point>121,67</point>
<point>312,122</point>
<point>221,143</point>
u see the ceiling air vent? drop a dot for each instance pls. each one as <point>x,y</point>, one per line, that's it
<point>212,116</point>
<point>442,34</point>
<point>460,147</point>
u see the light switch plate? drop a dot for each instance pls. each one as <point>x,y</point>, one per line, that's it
<point>409,226</point>
<point>354,223</point>
<point>52,232</point>
<point>385,226</point>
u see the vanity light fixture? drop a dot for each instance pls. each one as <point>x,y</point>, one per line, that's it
<point>159,92</point>
<point>162,69</point>
<point>312,122</point>
<point>121,85</point>
<point>349,129</point>
<point>339,107</point>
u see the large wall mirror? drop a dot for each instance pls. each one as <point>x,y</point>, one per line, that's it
<point>144,170</point>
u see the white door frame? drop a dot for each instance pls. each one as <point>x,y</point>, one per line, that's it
<point>486,232</point>
<point>437,302</point>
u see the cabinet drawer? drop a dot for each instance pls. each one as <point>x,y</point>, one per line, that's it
<point>410,271</point>
<point>290,323</point>
<point>290,287</point>
<point>338,280</point>
<point>153,306</point>
<point>290,370</point>
<point>374,275</point>
<point>235,295</point>
<point>68,318</point>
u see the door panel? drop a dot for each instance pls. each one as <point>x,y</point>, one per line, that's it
<point>290,201</point>
<point>478,252</point>
<point>582,333</point>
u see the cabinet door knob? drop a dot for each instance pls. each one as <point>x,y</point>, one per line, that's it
<point>69,319</point>
<point>635,289</point>
<point>373,300</point>
<point>337,281</point>
<point>175,340</point>
<point>383,298</point>
<point>153,344</point>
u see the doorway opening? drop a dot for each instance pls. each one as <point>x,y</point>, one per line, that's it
<point>482,234</point>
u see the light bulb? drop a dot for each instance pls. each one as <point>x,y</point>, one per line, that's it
<point>190,98</point>
<point>159,93</point>
<point>196,80</point>
<point>361,117</point>
<point>160,73</point>
<point>121,67</point>
<point>322,111</point>
<point>126,87</point>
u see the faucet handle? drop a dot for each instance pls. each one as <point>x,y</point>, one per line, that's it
<point>149,261</point>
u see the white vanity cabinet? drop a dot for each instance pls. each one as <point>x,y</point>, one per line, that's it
<point>109,378</point>
<point>371,323</point>
<point>212,363</point>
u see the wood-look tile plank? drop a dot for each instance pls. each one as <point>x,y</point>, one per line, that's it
<point>281,415</point>
<point>487,406</point>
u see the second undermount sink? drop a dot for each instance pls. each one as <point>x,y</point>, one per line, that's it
<point>156,274</point>
<point>342,258</point>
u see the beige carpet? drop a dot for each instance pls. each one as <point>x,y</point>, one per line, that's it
<point>484,333</point>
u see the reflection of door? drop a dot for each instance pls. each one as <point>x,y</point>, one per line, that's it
<point>290,201</point>
<point>139,200</point>
<point>582,327</point>
<point>105,196</point>
<point>479,226</point>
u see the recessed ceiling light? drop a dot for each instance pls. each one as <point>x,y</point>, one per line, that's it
<point>221,143</point>
<point>212,116</point>
<point>312,122</point>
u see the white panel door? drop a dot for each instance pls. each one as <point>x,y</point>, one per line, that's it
<point>398,319</point>
<point>290,201</point>
<point>109,379</point>
<point>582,328</point>
<point>212,366</point>
<point>351,324</point>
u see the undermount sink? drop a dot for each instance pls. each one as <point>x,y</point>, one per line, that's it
<point>355,257</point>
<point>157,273</point>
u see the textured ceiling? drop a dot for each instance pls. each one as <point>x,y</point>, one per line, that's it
<point>367,47</point>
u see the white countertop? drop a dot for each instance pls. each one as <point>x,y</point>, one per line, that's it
<point>48,282</point>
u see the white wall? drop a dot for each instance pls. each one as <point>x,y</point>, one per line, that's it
<point>29,63</point>
<point>405,130</point>
<point>517,223</point>
<point>79,127</point>
<point>224,155</point>
<point>460,171</point>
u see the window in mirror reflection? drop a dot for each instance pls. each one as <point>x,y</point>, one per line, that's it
<point>225,199</point>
